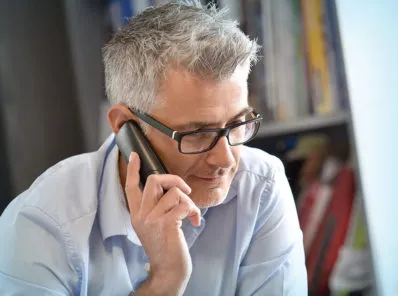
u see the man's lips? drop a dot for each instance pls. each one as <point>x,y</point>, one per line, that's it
<point>211,180</point>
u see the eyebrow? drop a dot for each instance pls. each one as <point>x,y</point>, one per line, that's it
<point>203,124</point>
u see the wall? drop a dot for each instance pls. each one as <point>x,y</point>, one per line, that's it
<point>40,113</point>
<point>369,31</point>
<point>85,29</point>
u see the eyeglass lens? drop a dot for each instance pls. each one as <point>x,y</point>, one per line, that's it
<point>202,140</point>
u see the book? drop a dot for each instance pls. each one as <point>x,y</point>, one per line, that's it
<point>301,82</point>
<point>317,62</point>
<point>331,233</point>
<point>254,27</point>
<point>333,35</point>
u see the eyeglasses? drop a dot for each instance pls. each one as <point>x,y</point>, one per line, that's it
<point>199,141</point>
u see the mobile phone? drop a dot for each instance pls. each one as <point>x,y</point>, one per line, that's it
<point>131,138</point>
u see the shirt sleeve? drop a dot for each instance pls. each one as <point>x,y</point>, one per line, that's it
<point>275,263</point>
<point>33,254</point>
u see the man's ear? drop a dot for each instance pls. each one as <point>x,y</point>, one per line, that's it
<point>118,115</point>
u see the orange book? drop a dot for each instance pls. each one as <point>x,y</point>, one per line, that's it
<point>316,56</point>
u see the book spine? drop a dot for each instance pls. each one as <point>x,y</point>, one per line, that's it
<point>278,56</point>
<point>254,28</point>
<point>305,47</point>
<point>331,57</point>
<point>318,67</point>
<point>341,85</point>
<point>272,58</point>
<point>290,65</point>
<point>303,108</point>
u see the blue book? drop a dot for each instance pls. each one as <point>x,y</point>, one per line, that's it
<point>254,28</point>
<point>335,43</point>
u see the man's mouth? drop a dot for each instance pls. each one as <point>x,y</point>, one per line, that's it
<point>211,180</point>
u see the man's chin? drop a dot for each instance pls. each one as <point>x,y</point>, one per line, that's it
<point>209,198</point>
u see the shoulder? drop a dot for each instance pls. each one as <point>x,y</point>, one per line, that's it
<point>258,164</point>
<point>64,192</point>
<point>261,183</point>
<point>258,176</point>
<point>263,189</point>
<point>48,224</point>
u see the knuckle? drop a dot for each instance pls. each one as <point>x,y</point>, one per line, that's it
<point>172,219</point>
<point>152,179</point>
<point>177,180</point>
<point>178,195</point>
<point>192,209</point>
<point>184,199</point>
<point>183,207</point>
<point>175,224</point>
<point>174,191</point>
<point>180,181</point>
<point>147,222</point>
<point>172,199</point>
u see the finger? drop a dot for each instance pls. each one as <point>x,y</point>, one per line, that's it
<point>172,198</point>
<point>155,188</point>
<point>183,210</point>
<point>132,186</point>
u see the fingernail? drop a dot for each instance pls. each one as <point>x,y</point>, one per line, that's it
<point>131,156</point>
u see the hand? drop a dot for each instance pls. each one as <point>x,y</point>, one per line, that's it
<point>156,215</point>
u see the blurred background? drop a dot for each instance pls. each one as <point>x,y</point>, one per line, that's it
<point>326,86</point>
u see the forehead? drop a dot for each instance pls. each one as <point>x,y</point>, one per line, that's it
<point>185,97</point>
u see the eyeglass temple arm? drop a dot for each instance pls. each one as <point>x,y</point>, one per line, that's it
<point>156,124</point>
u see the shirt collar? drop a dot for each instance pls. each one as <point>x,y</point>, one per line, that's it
<point>231,192</point>
<point>114,217</point>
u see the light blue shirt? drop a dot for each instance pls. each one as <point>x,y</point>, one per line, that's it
<point>70,234</point>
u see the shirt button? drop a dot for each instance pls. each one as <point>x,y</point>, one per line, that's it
<point>147,267</point>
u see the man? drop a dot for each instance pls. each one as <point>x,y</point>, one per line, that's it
<point>221,222</point>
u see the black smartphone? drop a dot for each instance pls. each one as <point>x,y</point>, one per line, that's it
<point>131,138</point>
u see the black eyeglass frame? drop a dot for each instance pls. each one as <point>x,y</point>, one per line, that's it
<point>177,136</point>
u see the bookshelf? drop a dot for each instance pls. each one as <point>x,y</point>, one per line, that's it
<point>299,82</point>
<point>302,124</point>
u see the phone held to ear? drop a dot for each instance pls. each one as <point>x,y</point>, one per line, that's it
<point>131,138</point>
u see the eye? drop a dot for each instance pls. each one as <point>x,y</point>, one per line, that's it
<point>236,121</point>
<point>199,130</point>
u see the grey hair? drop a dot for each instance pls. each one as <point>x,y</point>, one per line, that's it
<point>187,34</point>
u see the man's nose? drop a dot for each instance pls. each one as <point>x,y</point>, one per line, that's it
<point>221,155</point>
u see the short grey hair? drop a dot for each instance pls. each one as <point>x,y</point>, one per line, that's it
<point>187,34</point>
